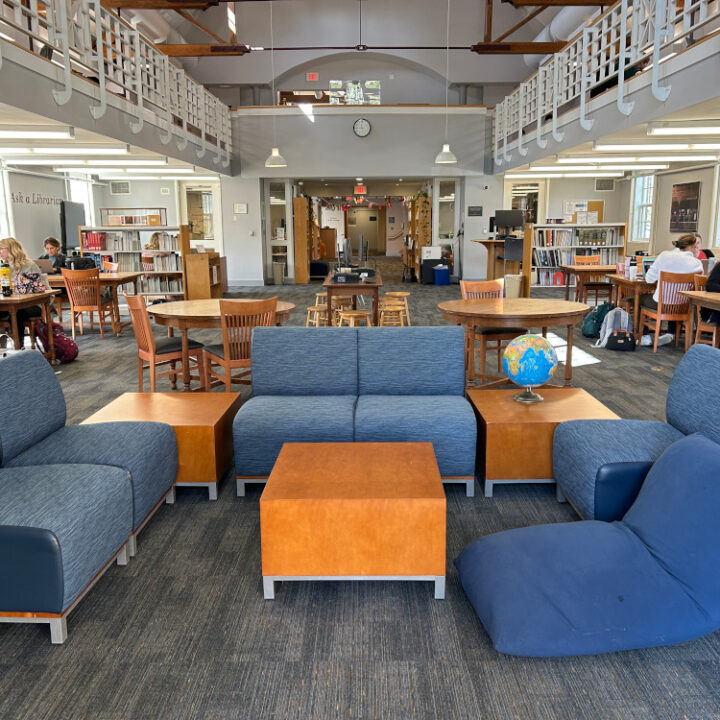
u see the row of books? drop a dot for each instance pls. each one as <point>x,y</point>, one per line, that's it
<point>160,285</point>
<point>554,257</point>
<point>128,240</point>
<point>568,237</point>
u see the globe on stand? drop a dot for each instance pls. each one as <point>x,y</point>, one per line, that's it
<point>529,361</point>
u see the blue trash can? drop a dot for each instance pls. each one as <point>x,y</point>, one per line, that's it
<point>442,275</point>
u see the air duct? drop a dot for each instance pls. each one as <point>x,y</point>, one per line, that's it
<point>562,27</point>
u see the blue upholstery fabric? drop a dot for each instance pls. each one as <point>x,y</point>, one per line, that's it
<point>694,394</point>
<point>411,361</point>
<point>148,451</point>
<point>87,507</point>
<point>264,423</point>
<point>581,447</point>
<point>592,587</point>
<point>304,361</point>
<point>34,402</point>
<point>448,421</point>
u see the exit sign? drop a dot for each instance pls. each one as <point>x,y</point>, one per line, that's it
<point>311,77</point>
<point>360,190</point>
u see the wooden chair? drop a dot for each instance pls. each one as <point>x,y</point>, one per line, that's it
<point>83,289</point>
<point>167,351</point>
<point>108,266</point>
<point>672,306</point>
<point>478,290</point>
<point>238,319</point>
<point>594,283</point>
<point>705,327</point>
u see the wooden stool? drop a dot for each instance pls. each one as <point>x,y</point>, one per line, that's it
<point>353,317</point>
<point>316,316</point>
<point>402,297</point>
<point>340,302</point>
<point>392,314</point>
<point>320,298</point>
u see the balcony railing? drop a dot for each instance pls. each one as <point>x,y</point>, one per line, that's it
<point>618,44</point>
<point>85,39</point>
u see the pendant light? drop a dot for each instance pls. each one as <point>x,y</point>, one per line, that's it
<point>446,155</point>
<point>275,159</point>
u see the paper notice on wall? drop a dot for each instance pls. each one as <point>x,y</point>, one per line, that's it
<point>568,207</point>
<point>568,218</point>
<point>582,218</point>
<point>592,217</point>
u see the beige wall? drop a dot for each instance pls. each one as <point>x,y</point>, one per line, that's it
<point>663,238</point>
<point>617,202</point>
<point>398,213</point>
<point>368,229</point>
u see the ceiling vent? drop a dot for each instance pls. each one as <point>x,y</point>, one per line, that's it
<point>120,187</point>
<point>604,184</point>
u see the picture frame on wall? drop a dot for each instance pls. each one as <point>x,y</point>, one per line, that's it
<point>684,207</point>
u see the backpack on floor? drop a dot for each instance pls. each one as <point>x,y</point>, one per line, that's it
<point>593,320</point>
<point>66,349</point>
<point>616,331</point>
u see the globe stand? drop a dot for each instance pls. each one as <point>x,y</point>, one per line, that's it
<point>528,396</point>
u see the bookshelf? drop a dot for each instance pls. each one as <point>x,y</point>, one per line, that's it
<point>149,217</point>
<point>555,245</point>
<point>161,266</point>
<point>204,276</point>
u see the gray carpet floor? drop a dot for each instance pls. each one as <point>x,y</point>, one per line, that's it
<point>183,630</point>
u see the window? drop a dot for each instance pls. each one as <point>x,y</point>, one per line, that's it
<point>6,229</point>
<point>643,196</point>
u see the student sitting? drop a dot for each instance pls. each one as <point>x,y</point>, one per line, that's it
<point>52,252</point>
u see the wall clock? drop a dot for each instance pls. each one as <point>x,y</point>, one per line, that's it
<point>361,127</point>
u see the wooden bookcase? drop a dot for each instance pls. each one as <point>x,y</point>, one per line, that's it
<point>555,245</point>
<point>302,238</point>
<point>204,274</point>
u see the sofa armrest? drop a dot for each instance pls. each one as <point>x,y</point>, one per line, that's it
<point>616,487</point>
<point>31,571</point>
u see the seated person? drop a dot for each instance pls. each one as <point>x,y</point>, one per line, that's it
<point>52,252</point>
<point>713,285</point>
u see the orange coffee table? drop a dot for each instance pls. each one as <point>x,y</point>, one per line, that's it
<point>203,426</point>
<point>353,511</point>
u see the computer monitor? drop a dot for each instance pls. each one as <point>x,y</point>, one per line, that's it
<point>347,251</point>
<point>509,219</point>
<point>647,264</point>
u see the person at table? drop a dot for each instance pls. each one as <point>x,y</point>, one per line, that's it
<point>12,252</point>
<point>683,259</point>
<point>707,315</point>
<point>52,252</point>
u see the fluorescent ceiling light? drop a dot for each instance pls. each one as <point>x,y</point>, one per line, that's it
<point>76,150</point>
<point>604,166</point>
<point>708,129</point>
<point>583,160</point>
<point>204,178</point>
<point>656,146</point>
<point>14,151</point>
<point>193,178</point>
<point>36,132</point>
<point>527,176</point>
<point>84,170</point>
<point>39,161</point>
<point>166,170</point>
<point>636,159</point>
<point>128,162</point>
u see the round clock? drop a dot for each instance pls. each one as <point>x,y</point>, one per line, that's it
<point>361,127</point>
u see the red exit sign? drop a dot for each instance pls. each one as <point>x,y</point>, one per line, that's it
<point>311,77</point>
<point>360,190</point>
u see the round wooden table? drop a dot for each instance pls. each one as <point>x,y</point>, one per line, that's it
<point>515,312</point>
<point>185,314</point>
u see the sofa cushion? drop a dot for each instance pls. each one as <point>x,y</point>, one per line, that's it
<point>86,511</point>
<point>411,361</point>
<point>148,451</point>
<point>447,421</point>
<point>581,447</point>
<point>693,398</point>
<point>575,589</point>
<point>264,423</point>
<point>677,516</point>
<point>304,361</point>
<point>36,405</point>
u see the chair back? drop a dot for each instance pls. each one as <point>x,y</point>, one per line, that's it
<point>586,259</point>
<point>700,282</point>
<point>670,285</point>
<point>83,287</point>
<point>238,318</point>
<point>141,323</point>
<point>108,266</point>
<point>481,289</point>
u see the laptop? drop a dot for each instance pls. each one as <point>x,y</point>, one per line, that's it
<point>45,266</point>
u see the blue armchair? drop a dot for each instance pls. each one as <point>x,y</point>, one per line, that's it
<point>599,465</point>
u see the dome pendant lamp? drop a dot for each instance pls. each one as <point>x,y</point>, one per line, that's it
<point>446,156</point>
<point>275,159</point>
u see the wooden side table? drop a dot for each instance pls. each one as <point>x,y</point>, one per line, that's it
<point>515,439</point>
<point>202,424</point>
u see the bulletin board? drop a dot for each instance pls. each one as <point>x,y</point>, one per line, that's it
<point>583,212</point>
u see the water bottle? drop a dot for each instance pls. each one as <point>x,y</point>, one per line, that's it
<point>5,279</point>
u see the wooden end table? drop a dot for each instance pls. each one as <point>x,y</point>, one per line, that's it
<point>202,424</point>
<point>515,439</point>
<point>353,511</point>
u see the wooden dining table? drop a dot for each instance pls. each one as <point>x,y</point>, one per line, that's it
<point>698,298</point>
<point>109,280</point>
<point>582,273</point>
<point>185,314</point>
<point>13,303</point>
<point>515,312</point>
<point>639,286</point>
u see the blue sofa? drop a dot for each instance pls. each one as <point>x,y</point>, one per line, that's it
<point>72,498</point>
<point>599,465</point>
<point>650,579</point>
<point>357,385</point>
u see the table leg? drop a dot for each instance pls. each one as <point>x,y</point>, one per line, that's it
<point>636,311</point>
<point>329,307</point>
<point>116,309</point>
<point>376,303</point>
<point>47,308</point>
<point>14,330</point>
<point>568,356</point>
<point>689,326</point>
<point>186,360</point>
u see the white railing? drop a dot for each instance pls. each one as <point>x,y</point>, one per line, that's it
<point>619,43</point>
<point>85,39</point>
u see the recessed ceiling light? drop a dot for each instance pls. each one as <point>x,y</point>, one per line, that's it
<point>358,179</point>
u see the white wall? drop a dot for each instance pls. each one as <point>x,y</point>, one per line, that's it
<point>617,202</point>
<point>334,219</point>
<point>488,192</point>
<point>242,234</point>
<point>663,238</point>
<point>143,194</point>
<point>36,210</point>
<point>397,212</point>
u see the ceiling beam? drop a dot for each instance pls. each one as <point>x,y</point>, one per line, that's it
<point>488,20</point>
<point>517,48</point>
<point>202,50</point>
<point>553,3</point>
<point>525,20</point>
<point>153,5</point>
<point>198,25</point>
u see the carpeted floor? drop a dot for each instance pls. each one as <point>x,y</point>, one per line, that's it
<point>183,630</point>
